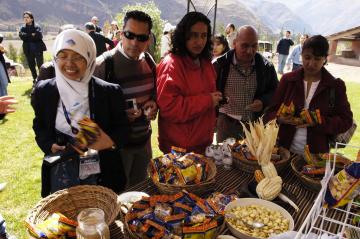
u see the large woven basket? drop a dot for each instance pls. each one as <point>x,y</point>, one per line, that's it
<point>250,166</point>
<point>72,201</point>
<point>199,189</point>
<point>297,163</point>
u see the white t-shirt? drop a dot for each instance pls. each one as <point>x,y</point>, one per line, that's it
<point>299,140</point>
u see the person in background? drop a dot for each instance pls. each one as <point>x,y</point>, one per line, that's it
<point>249,81</point>
<point>59,103</point>
<point>166,39</point>
<point>134,70</point>
<point>95,21</point>
<point>221,46</point>
<point>33,45</point>
<point>117,38</point>
<point>186,89</point>
<point>282,49</point>
<point>100,40</point>
<point>114,28</point>
<point>295,55</point>
<point>4,76</point>
<point>230,34</point>
<point>309,88</point>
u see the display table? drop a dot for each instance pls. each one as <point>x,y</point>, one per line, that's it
<point>231,181</point>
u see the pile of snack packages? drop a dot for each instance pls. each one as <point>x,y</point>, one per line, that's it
<point>344,186</point>
<point>88,134</point>
<point>182,215</point>
<point>179,168</point>
<point>57,226</point>
<point>306,116</point>
<point>315,166</point>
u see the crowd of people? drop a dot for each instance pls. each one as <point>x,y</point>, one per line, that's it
<point>202,84</point>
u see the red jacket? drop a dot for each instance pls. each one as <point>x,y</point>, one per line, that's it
<point>291,88</point>
<point>187,115</point>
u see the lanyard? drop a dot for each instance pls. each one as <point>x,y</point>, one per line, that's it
<point>68,120</point>
<point>92,116</point>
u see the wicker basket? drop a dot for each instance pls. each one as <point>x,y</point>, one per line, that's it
<point>250,166</point>
<point>199,189</point>
<point>71,201</point>
<point>297,163</point>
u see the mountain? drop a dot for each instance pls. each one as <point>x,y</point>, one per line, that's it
<point>326,16</point>
<point>277,16</point>
<point>270,16</point>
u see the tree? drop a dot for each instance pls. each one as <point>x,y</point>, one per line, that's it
<point>12,52</point>
<point>154,12</point>
<point>22,58</point>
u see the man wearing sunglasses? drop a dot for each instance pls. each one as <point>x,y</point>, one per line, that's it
<point>134,70</point>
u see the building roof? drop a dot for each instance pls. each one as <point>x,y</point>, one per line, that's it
<point>349,34</point>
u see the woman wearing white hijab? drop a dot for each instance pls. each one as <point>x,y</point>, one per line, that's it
<point>74,93</point>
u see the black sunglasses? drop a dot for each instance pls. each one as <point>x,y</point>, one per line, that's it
<point>140,37</point>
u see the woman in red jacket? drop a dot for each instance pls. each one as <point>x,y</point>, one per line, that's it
<point>186,90</point>
<point>309,88</point>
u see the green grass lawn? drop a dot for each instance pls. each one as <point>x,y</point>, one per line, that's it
<point>20,157</point>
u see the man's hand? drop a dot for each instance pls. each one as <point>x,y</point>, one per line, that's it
<point>102,142</point>
<point>5,102</point>
<point>133,114</point>
<point>150,109</point>
<point>256,106</point>
<point>216,98</point>
<point>55,148</point>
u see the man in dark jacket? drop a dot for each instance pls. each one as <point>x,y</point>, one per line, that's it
<point>100,40</point>
<point>283,51</point>
<point>247,79</point>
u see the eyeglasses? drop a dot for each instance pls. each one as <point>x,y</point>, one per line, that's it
<point>76,60</point>
<point>132,36</point>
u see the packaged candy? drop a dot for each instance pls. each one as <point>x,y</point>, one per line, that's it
<point>162,210</point>
<point>313,170</point>
<point>178,152</point>
<point>344,186</point>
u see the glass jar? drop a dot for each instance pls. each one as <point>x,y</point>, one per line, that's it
<point>91,224</point>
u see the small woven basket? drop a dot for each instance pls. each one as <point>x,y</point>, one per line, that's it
<point>297,163</point>
<point>72,201</point>
<point>250,166</point>
<point>199,189</point>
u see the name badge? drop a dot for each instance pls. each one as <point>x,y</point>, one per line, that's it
<point>89,164</point>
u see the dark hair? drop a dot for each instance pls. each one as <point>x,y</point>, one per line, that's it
<point>232,26</point>
<point>306,36</point>
<point>90,26</point>
<point>30,15</point>
<point>318,44</point>
<point>288,31</point>
<point>182,31</point>
<point>139,16</point>
<point>221,38</point>
<point>1,38</point>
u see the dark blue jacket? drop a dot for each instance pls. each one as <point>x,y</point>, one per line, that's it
<point>32,43</point>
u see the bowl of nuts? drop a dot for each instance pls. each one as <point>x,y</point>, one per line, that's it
<point>253,218</point>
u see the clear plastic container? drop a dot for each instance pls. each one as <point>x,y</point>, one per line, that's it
<point>91,224</point>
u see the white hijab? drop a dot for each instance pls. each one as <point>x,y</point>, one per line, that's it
<point>73,93</point>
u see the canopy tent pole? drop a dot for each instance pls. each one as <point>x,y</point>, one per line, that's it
<point>215,12</point>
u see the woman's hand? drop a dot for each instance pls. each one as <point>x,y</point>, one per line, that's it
<point>55,148</point>
<point>102,142</point>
